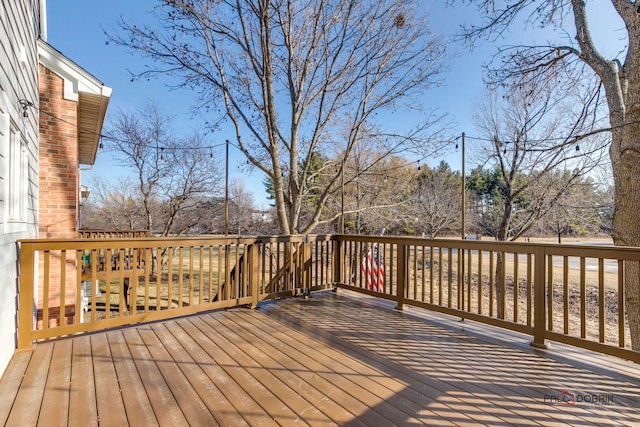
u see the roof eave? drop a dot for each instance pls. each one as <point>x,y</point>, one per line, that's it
<point>91,95</point>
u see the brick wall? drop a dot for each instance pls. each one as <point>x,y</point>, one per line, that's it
<point>58,160</point>
<point>58,186</point>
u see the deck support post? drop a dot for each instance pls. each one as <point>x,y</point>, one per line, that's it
<point>539,304</point>
<point>403,264</point>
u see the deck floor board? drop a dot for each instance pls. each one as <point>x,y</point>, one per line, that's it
<point>224,355</point>
<point>314,406</point>
<point>109,402</point>
<point>82,405</point>
<point>161,397</point>
<point>299,354</point>
<point>192,407</point>
<point>55,402</point>
<point>136,402</point>
<point>182,349</point>
<point>11,382</point>
<point>27,403</point>
<point>335,359</point>
<point>207,356</point>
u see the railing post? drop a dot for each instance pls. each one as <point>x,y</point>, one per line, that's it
<point>225,292</point>
<point>337,263</point>
<point>305,251</point>
<point>539,304</point>
<point>254,273</point>
<point>403,263</point>
<point>26,288</point>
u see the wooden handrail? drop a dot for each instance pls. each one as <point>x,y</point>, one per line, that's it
<point>567,293</point>
<point>550,293</point>
<point>91,284</point>
<point>112,234</point>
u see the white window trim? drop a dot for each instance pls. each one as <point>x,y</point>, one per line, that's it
<point>4,141</point>
<point>16,188</point>
<point>4,136</point>
<point>12,139</point>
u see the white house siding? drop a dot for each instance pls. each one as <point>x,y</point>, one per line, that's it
<point>19,30</point>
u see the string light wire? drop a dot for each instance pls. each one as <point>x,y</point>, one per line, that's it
<point>568,140</point>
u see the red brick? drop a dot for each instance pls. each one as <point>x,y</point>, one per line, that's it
<point>58,184</point>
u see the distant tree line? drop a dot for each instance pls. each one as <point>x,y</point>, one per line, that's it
<point>426,201</point>
<point>117,210</point>
<point>400,200</point>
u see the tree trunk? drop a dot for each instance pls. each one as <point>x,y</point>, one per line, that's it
<point>500,286</point>
<point>625,161</point>
<point>622,87</point>
<point>502,235</point>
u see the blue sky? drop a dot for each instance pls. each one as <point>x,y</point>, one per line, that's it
<point>76,29</point>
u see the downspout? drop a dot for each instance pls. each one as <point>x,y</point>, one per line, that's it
<point>43,19</point>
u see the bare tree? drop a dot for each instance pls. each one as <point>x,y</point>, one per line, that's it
<point>191,174</point>
<point>528,138</point>
<point>576,212</point>
<point>437,206</point>
<point>290,73</point>
<point>527,146</point>
<point>243,204</point>
<point>375,187</point>
<point>171,174</point>
<point>114,204</point>
<point>620,78</point>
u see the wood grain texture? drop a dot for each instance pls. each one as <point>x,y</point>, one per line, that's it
<point>335,359</point>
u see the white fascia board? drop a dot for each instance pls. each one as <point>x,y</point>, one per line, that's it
<point>76,78</point>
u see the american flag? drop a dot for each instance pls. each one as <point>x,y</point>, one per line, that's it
<point>372,268</point>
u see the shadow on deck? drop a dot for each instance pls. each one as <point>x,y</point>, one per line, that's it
<point>330,360</point>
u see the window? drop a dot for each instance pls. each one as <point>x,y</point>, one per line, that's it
<point>13,174</point>
<point>16,177</point>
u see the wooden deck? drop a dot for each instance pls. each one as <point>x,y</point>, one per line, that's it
<point>332,360</point>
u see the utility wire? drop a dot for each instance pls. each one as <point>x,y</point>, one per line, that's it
<point>25,104</point>
<point>569,139</point>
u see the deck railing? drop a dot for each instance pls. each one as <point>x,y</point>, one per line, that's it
<point>572,294</point>
<point>112,234</point>
<point>566,293</point>
<point>71,286</point>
